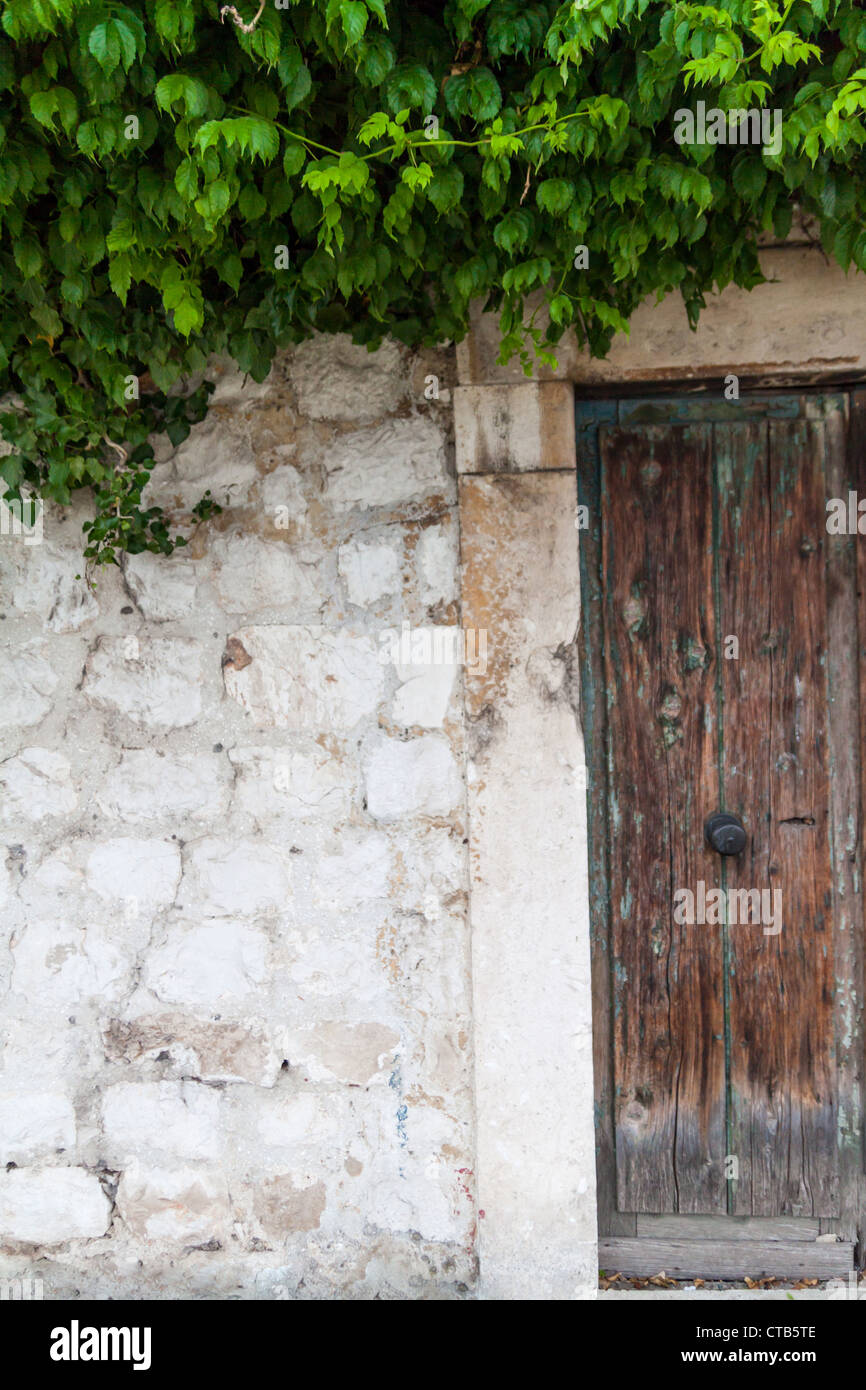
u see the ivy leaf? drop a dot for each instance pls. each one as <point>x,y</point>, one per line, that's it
<point>251,203</point>
<point>378,60</point>
<point>528,273</point>
<point>28,258</point>
<point>264,140</point>
<point>69,223</point>
<point>555,196</point>
<point>318,272</point>
<point>248,134</point>
<point>231,270</point>
<point>374,128</point>
<point>610,316</point>
<point>74,289</point>
<point>408,86</point>
<point>167,20</point>
<point>43,108</point>
<point>86,138</point>
<point>305,214</point>
<point>177,86</point>
<point>104,44</point>
<point>749,178</point>
<point>293,74</point>
<point>58,472</point>
<point>265,41</point>
<point>58,101</point>
<point>187,316</point>
<point>150,188</point>
<point>513,232</point>
<point>186,179</point>
<point>126,39</point>
<point>12,470</point>
<point>214,201</point>
<point>353,16</point>
<point>417,176</point>
<point>828,194</point>
<point>475,94</point>
<point>123,234</point>
<point>293,159</point>
<point>561,309</point>
<point>48,319</point>
<point>445,189</point>
<point>120,275</point>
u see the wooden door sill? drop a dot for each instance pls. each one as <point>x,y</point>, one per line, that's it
<point>715,1258</point>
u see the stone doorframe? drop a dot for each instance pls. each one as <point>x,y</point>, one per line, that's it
<point>529,894</point>
<point>529,902</point>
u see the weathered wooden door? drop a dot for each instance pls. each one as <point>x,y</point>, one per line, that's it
<point>722,642</point>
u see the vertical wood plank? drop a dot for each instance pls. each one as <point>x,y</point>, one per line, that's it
<point>857,466</point>
<point>743,581</point>
<point>845,442</point>
<point>782,1070</point>
<point>590,415</point>
<point>668,1032</point>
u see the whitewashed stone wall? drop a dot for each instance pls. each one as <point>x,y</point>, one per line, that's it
<point>234,963</point>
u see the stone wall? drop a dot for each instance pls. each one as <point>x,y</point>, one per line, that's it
<point>234,964</point>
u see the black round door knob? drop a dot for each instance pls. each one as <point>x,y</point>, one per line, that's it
<point>725,833</point>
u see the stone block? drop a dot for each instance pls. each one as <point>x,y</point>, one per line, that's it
<point>36,784</point>
<point>235,878</point>
<point>154,681</point>
<point>419,777</point>
<point>515,429</point>
<point>160,1120</point>
<point>336,379</point>
<point>142,872</point>
<point>304,784</point>
<point>150,785</point>
<point>202,1048</point>
<point>284,1209</point>
<point>210,966</point>
<point>251,574</point>
<point>184,1205</point>
<point>34,1126</point>
<point>400,461</point>
<point>28,685</point>
<point>352,1052</point>
<point>369,571</point>
<point>163,586</point>
<point>304,678</point>
<point>49,1206</point>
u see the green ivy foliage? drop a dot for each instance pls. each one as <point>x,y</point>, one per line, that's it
<point>179,178</point>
